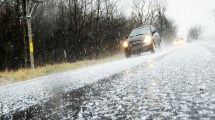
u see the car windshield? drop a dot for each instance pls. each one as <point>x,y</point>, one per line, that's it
<point>140,31</point>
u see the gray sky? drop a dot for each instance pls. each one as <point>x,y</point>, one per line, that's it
<point>187,13</point>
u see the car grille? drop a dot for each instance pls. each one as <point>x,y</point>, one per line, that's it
<point>135,43</point>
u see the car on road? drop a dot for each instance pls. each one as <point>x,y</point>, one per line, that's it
<point>189,40</point>
<point>142,39</point>
<point>178,41</point>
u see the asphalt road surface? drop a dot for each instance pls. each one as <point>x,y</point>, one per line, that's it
<point>176,83</point>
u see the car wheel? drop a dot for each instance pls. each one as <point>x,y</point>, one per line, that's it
<point>127,55</point>
<point>160,45</point>
<point>153,48</point>
<point>139,54</point>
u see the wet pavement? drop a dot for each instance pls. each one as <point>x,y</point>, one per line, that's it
<point>176,85</point>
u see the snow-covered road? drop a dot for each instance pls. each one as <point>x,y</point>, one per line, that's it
<point>174,83</point>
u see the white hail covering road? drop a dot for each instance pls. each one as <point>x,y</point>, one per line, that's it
<point>25,94</point>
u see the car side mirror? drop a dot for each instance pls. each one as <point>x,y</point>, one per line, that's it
<point>154,32</point>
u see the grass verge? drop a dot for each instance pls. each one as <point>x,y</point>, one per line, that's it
<point>9,77</point>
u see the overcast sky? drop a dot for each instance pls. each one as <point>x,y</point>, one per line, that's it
<point>187,13</point>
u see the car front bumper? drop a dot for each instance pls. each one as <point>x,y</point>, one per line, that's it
<point>136,49</point>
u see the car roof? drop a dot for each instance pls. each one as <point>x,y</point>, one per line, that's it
<point>144,26</point>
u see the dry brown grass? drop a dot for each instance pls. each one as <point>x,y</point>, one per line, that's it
<point>8,77</point>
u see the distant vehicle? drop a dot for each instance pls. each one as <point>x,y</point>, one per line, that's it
<point>189,40</point>
<point>142,39</point>
<point>178,41</point>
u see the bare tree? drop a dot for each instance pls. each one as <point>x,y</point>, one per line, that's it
<point>161,7</point>
<point>195,32</point>
<point>143,12</point>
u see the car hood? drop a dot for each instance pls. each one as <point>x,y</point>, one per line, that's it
<point>139,37</point>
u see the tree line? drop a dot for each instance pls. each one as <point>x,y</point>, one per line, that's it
<point>72,30</point>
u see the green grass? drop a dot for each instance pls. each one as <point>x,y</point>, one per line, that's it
<point>8,77</point>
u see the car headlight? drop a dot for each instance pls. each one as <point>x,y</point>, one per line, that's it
<point>125,44</point>
<point>148,39</point>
